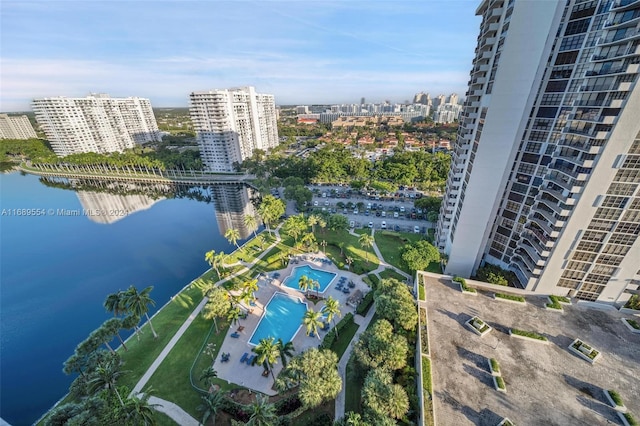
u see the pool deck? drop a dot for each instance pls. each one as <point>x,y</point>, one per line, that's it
<point>251,376</point>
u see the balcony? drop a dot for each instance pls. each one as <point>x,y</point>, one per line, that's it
<point>544,225</point>
<point>549,216</point>
<point>562,196</point>
<point>557,209</point>
<point>528,263</point>
<point>630,34</point>
<point>530,236</point>
<point>569,172</point>
<point>521,273</point>
<point>532,253</point>
<point>620,5</point>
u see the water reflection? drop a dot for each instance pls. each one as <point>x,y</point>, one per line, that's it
<point>108,201</point>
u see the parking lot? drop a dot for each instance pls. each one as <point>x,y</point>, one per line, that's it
<point>362,211</point>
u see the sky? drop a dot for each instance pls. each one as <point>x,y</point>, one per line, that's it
<point>303,52</point>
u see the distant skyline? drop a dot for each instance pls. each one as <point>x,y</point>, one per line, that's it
<point>302,52</point>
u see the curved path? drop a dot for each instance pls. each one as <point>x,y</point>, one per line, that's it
<point>176,413</point>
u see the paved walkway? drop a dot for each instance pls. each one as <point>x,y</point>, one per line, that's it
<point>156,363</point>
<point>176,413</point>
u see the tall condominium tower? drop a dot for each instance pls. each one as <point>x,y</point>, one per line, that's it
<point>545,177</point>
<point>97,123</point>
<point>16,127</point>
<point>231,124</point>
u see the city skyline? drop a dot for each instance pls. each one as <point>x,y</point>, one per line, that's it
<point>330,53</point>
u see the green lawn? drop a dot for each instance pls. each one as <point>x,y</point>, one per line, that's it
<point>171,380</point>
<point>390,273</point>
<point>163,420</point>
<point>390,244</point>
<point>363,261</point>
<point>141,354</point>
<point>352,393</point>
<point>421,294</point>
<point>340,344</point>
<point>251,249</point>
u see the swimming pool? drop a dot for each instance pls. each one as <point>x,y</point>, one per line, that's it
<point>281,319</point>
<point>323,277</point>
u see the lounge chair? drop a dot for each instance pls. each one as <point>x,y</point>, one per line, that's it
<point>250,359</point>
<point>235,335</point>
<point>244,357</point>
<point>326,326</point>
<point>265,373</point>
<point>240,329</point>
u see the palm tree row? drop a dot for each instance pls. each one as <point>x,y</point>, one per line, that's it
<point>268,350</point>
<point>132,302</point>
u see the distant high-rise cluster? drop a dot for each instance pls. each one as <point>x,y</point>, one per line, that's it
<point>97,123</point>
<point>231,123</point>
<point>16,127</point>
<point>545,174</point>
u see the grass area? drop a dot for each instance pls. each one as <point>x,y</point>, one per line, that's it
<point>251,249</point>
<point>171,381</point>
<point>427,387</point>
<point>633,323</point>
<point>421,294</point>
<point>495,366</point>
<point>463,284</point>
<point>390,244</point>
<point>391,273</point>
<point>615,396</point>
<point>163,420</point>
<point>510,297</point>
<point>364,261</point>
<point>530,334</point>
<point>340,345</point>
<point>141,354</point>
<point>324,411</point>
<point>434,267</point>
<point>353,392</point>
<point>500,382</point>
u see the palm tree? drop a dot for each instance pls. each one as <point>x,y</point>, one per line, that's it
<point>312,221</point>
<point>332,309</point>
<point>114,325</point>
<point>131,322</point>
<point>137,303</point>
<point>312,320</point>
<point>263,413</point>
<point>212,403</point>
<point>105,376</point>
<point>219,258</point>
<point>139,411</point>
<point>366,241</point>
<point>208,374</point>
<point>251,223</point>
<point>286,351</point>
<point>261,241</point>
<point>315,285</point>
<point>113,303</point>
<point>268,352</point>
<point>211,258</point>
<point>234,315</point>
<point>304,284</point>
<point>349,261</point>
<point>323,243</point>
<point>232,235</point>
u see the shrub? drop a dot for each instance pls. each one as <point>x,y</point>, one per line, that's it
<point>555,302</point>
<point>633,323</point>
<point>288,405</point>
<point>330,337</point>
<point>495,275</point>
<point>615,396</point>
<point>463,284</point>
<point>510,297</point>
<point>500,382</point>
<point>530,334</point>
<point>633,302</point>
<point>424,337</point>
<point>630,419</point>
<point>365,304</point>
<point>494,365</point>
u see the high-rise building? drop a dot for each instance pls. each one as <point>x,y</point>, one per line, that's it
<point>16,127</point>
<point>97,123</point>
<point>453,99</point>
<point>231,123</point>
<point>447,113</point>
<point>545,175</point>
<point>439,100</point>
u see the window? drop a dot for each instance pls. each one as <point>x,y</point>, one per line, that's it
<point>584,256</point>
<point>571,43</point>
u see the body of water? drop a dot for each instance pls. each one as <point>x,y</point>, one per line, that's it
<point>56,269</point>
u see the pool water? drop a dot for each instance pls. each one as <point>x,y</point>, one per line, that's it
<point>323,277</point>
<point>281,319</point>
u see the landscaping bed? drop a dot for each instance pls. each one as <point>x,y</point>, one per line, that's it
<point>424,335</point>
<point>498,383</point>
<point>584,351</point>
<point>478,326</point>
<point>494,367</point>
<point>556,302</point>
<point>528,335</point>
<point>615,400</point>
<point>509,298</point>
<point>628,419</point>
<point>464,287</point>
<point>427,390</point>
<point>632,325</point>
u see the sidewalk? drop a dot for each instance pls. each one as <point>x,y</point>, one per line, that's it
<point>176,413</point>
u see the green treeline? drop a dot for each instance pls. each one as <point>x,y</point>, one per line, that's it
<point>337,164</point>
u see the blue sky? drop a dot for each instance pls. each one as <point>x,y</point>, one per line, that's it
<point>303,52</point>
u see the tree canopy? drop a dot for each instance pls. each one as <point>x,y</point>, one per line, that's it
<point>379,347</point>
<point>395,303</point>
<point>418,255</point>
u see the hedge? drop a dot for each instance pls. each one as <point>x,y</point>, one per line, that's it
<point>365,304</point>
<point>529,334</point>
<point>330,338</point>
<point>463,284</point>
<point>510,297</point>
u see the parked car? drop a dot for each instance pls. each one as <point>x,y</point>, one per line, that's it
<point>370,224</point>
<point>352,224</point>
<point>401,209</point>
<point>315,203</point>
<point>383,225</point>
<point>396,228</point>
<point>383,213</point>
<point>416,229</point>
<point>395,214</point>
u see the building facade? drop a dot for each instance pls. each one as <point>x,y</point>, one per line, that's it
<point>97,123</point>
<point>16,127</point>
<point>545,176</point>
<point>447,113</point>
<point>231,123</point>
